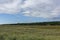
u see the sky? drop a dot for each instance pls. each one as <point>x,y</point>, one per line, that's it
<point>26,11</point>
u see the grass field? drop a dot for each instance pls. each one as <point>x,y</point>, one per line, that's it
<point>29,32</point>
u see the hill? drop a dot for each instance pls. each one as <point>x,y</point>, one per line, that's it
<point>38,23</point>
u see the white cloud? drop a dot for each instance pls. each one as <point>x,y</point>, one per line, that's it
<point>10,7</point>
<point>56,11</point>
<point>34,8</point>
<point>29,3</point>
<point>41,8</point>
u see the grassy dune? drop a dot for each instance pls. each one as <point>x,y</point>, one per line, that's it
<point>29,32</point>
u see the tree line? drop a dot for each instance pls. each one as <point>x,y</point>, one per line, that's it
<point>38,23</point>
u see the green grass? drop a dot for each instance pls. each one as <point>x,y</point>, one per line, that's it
<point>29,32</point>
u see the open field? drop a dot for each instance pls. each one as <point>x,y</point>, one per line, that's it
<point>29,32</point>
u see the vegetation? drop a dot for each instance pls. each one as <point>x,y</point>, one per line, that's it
<point>39,23</point>
<point>30,31</point>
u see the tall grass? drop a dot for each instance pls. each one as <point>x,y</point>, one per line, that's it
<point>20,37</point>
<point>29,32</point>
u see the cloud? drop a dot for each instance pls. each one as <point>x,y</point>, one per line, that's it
<point>34,8</point>
<point>10,6</point>
<point>41,8</point>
